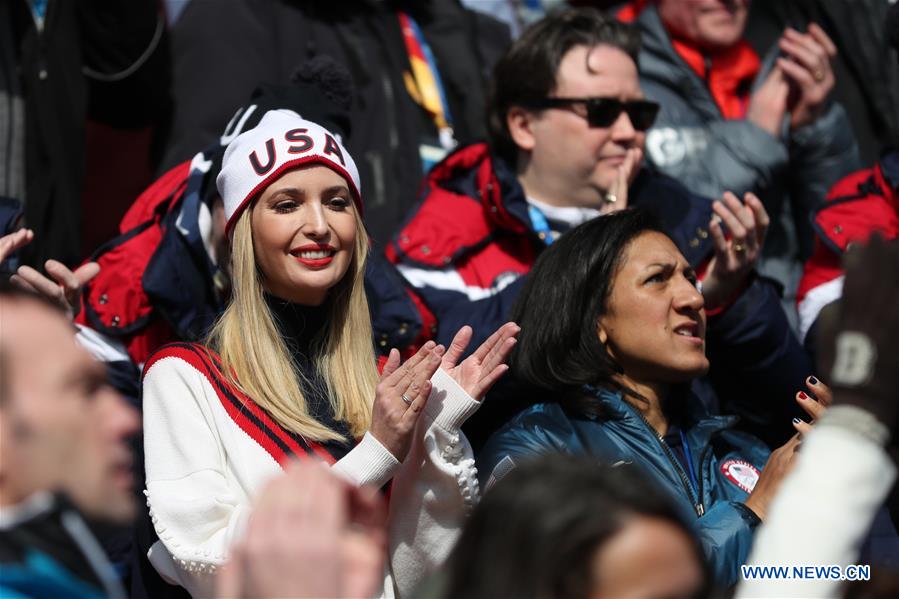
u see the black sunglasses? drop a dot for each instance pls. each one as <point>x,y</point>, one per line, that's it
<point>602,112</point>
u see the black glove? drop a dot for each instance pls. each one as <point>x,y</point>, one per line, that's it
<point>860,336</point>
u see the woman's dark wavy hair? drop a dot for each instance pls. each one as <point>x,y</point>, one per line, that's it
<point>527,71</point>
<point>567,291</point>
<point>536,533</point>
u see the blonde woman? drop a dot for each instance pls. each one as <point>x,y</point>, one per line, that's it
<point>289,371</point>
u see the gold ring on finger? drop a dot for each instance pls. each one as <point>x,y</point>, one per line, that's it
<point>818,75</point>
<point>739,247</point>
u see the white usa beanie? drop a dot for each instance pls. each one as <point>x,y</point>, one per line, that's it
<point>280,142</point>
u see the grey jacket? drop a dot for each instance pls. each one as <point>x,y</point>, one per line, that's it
<point>692,142</point>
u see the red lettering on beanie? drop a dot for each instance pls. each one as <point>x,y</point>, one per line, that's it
<point>254,160</point>
<point>296,135</point>
<point>331,147</point>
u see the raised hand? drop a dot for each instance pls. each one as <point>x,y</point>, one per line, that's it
<point>401,396</point>
<point>616,198</point>
<point>310,534</point>
<point>734,259</point>
<point>65,286</point>
<point>479,371</point>
<point>815,403</point>
<point>13,241</point>
<point>768,104</point>
<point>807,65</point>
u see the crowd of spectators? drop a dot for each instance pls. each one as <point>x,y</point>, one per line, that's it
<point>449,298</point>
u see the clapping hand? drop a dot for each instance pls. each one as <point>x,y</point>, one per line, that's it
<point>478,372</point>
<point>807,66</point>
<point>768,103</point>
<point>64,288</point>
<point>13,241</point>
<point>735,257</point>
<point>401,396</point>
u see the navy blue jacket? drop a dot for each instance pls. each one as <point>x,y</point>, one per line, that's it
<point>726,463</point>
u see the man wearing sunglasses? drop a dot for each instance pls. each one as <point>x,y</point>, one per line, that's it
<point>567,123</point>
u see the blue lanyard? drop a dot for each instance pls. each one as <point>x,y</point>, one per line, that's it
<point>690,469</point>
<point>541,225</point>
<point>39,8</point>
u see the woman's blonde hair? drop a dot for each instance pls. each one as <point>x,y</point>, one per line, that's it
<point>256,359</point>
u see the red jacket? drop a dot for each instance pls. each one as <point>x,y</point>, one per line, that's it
<point>467,244</point>
<point>859,205</point>
<point>115,302</point>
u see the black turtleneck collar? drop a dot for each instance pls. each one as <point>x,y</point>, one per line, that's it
<point>301,326</point>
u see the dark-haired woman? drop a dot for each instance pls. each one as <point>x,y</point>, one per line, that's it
<point>613,335</point>
<point>612,534</point>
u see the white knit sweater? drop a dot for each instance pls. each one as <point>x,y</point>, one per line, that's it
<point>203,471</point>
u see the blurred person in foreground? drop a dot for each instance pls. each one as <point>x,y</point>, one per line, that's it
<point>65,476</point>
<point>564,527</point>
<point>847,464</point>
<point>65,462</point>
<point>332,546</point>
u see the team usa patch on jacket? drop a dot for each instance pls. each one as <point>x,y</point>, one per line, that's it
<point>741,473</point>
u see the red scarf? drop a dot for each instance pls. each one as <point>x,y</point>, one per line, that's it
<point>732,70</point>
<point>730,77</point>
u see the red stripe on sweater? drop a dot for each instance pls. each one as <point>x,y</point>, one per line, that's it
<point>206,362</point>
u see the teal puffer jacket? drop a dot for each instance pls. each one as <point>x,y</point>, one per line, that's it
<point>727,464</point>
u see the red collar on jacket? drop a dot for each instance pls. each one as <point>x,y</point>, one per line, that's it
<point>448,221</point>
<point>859,205</point>
<point>729,74</point>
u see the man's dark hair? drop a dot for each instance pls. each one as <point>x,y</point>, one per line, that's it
<point>537,532</point>
<point>527,71</point>
<point>567,291</point>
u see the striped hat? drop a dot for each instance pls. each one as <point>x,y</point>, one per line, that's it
<point>282,141</point>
